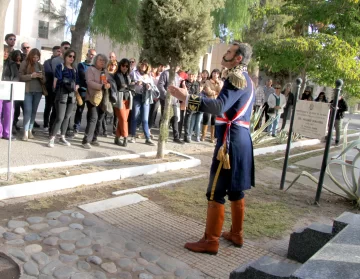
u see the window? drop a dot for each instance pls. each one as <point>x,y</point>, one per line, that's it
<point>45,5</point>
<point>43,29</point>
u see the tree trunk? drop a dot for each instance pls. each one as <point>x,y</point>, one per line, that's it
<point>164,130</point>
<point>81,26</point>
<point>3,8</point>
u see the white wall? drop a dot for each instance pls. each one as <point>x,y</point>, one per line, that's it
<point>22,19</point>
<point>105,46</point>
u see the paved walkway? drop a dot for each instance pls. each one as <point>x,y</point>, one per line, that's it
<point>76,245</point>
<point>168,233</point>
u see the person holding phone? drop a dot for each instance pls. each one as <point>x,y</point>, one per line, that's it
<point>96,85</point>
<point>31,72</point>
<point>66,82</point>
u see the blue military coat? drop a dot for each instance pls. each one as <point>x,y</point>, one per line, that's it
<point>233,107</point>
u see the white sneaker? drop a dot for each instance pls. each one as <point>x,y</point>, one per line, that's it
<point>63,141</point>
<point>51,143</point>
<point>132,140</point>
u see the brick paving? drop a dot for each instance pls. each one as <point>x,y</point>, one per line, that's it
<point>149,223</point>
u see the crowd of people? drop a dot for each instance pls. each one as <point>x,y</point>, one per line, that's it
<point>129,92</point>
<point>277,102</point>
<point>125,91</point>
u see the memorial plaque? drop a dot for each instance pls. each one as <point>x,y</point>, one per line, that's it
<point>311,119</point>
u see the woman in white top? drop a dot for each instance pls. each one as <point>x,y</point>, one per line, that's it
<point>276,104</point>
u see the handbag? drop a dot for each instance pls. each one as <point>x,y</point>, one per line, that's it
<point>106,105</point>
<point>271,110</point>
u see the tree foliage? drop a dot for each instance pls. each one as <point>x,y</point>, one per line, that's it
<point>336,17</point>
<point>320,57</point>
<point>116,19</point>
<point>231,18</point>
<point>173,33</point>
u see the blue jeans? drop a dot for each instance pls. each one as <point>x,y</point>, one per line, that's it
<point>273,126</point>
<point>196,119</point>
<point>139,106</point>
<point>31,103</point>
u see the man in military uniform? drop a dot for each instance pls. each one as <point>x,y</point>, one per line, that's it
<point>232,169</point>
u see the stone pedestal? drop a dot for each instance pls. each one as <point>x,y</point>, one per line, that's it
<point>306,242</point>
<point>265,268</point>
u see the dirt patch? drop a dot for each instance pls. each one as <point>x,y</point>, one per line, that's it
<point>53,173</point>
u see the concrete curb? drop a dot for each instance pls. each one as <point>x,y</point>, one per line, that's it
<point>85,161</point>
<point>281,147</point>
<point>157,185</point>
<point>44,186</point>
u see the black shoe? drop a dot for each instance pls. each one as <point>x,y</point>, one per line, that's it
<point>36,125</point>
<point>149,142</point>
<point>117,141</point>
<point>95,143</point>
<point>178,141</point>
<point>17,128</point>
<point>187,140</point>
<point>105,135</point>
<point>337,143</point>
<point>125,142</point>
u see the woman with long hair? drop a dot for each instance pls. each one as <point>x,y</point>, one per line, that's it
<point>289,104</point>
<point>17,58</point>
<point>32,73</point>
<point>120,87</point>
<point>97,83</point>
<point>212,89</point>
<point>66,82</point>
<point>145,93</point>
<point>321,98</point>
<point>10,73</point>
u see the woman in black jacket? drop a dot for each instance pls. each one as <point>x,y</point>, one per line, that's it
<point>120,89</point>
<point>10,73</point>
<point>289,104</point>
<point>321,98</point>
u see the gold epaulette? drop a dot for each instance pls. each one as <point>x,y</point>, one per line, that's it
<point>194,102</point>
<point>236,77</point>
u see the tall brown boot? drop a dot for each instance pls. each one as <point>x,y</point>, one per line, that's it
<point>204,130</point>
<point>212,138</point>
<point>214,221</point>
<point>235,235</point>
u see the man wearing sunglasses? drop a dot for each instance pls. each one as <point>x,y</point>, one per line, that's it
<point>132,64</point>
<point>10,40</point>
<point>82,68</point>
<point>65,45</point>
<point>25,49</point>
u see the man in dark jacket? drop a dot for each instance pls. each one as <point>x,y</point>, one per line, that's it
<point>193,87</point>
<point>342,107</point>
<point>10,73</point>
<point>82,68</point>
<point>50,98</point>
<point>162,86</point>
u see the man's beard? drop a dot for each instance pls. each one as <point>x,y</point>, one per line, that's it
<point>228,60</point>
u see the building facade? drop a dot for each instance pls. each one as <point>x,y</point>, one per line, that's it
<point>25,20</point>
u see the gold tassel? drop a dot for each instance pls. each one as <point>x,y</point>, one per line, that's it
<point>221,153</point>
<point>226,162</point>
<point>223,157</point>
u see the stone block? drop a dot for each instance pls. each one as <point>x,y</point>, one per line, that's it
<point>347,218</point>
<point>305,242</point>
<point>265,268</point>
<point>337,259</point>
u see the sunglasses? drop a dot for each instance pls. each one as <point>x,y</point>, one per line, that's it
<point>12,39</point>
<point>66,48</point>
<point>277,87</point>
<point>126,66</point>
<point>26,47</point>
<point>132,62</point>
<point>71,56</point>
